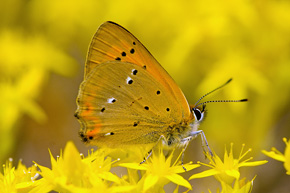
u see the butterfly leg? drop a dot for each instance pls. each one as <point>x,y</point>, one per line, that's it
<point>203,140</point>
<point>146,158</point>
<point>186,142</point>
<point>151,151</point>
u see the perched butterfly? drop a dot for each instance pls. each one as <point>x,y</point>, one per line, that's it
<point>127,98</point>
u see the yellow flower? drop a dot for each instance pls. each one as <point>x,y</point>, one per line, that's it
<point>239,187</point>
<point>277,155</point>
<point>71,173</point>
<point>228,170</point>
<point>17,180</point>
<point>159,171</point>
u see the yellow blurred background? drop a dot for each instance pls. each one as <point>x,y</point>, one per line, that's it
<point>201,44</point>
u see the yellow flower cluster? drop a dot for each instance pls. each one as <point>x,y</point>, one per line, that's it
<point>227,171</point>
<point>72,172</point>
<point>21,179</point>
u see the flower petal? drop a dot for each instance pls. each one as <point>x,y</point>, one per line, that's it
<point>287,156</point>
<point>255,163</point>
<point>177,179</point>
<point>204,174</point>
<point>272,154</point>
<point>180,169</point>
<point>110,177</point>
<point>136,166</point>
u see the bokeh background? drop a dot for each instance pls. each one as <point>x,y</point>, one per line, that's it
<point>43,45</point>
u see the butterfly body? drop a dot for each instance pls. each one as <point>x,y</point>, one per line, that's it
<point>127,98</point>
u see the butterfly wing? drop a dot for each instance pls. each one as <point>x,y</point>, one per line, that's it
<point>126,96</point>
<point>112,42</point>
<point>121,103</point>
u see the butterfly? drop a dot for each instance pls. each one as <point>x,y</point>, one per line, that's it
<point>127,98</point>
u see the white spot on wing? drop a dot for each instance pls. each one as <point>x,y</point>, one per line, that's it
<point>111,100</point>
<point>107,134</point>
<point>128,79</point>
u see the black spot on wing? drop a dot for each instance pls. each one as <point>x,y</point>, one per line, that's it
<point>136,124</point>
<point>134,71</point>
<point>76,115</point>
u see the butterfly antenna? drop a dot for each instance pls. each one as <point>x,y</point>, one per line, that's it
<point>222,101</point>
<point>212,92</point>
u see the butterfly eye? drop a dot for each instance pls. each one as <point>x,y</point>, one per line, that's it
<point>197,114</point>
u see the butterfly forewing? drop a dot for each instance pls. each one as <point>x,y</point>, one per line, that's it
<point>112,42</point>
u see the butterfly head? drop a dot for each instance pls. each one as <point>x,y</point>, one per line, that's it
<point>198,112</point>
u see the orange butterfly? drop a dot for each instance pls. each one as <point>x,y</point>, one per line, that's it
<point>127,98</point>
